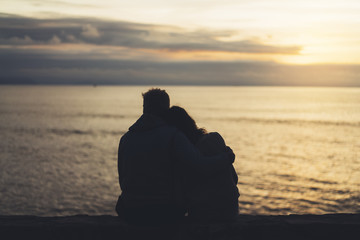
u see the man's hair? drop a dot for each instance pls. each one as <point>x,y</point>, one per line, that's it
<point>156,101</point>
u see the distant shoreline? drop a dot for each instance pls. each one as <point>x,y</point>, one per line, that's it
<point>171,85</point>
<point>328,226</point>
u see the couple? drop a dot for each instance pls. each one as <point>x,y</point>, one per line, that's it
<point>168,167</point>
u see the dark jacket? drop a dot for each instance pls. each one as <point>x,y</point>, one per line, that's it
<point>215,198</point>
<point>153,158</point>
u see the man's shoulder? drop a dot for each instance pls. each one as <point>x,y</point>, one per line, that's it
<point>165,129</point>
<point>123,137</point>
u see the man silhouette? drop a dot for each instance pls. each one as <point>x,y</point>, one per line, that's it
<point>153,158</point>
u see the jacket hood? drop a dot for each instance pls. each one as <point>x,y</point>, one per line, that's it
<point>147,122</point>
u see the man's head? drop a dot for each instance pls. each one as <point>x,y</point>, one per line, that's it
<point>156,102</point>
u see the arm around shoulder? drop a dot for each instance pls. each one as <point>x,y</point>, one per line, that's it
<point>191,158</point>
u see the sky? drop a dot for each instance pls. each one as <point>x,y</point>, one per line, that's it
<point>173,42</point>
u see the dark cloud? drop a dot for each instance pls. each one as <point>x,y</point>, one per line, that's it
<point>31,52</point>
<point>28,67</point>
<point>16,30</point>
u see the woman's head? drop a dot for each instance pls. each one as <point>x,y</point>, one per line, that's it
<point>178,117</point>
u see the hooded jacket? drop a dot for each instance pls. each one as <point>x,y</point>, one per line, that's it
<point>154,157</point>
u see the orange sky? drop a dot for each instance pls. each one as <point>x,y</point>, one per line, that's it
<point>327,31</point>
<point>240,42</point>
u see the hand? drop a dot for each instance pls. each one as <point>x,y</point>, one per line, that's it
<point>230,154</point>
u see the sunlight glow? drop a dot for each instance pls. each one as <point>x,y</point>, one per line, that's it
<point>327,31</point>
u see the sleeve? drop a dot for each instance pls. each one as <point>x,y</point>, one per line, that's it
<point>234,175</point>
<point>193,161</point>
<point>120,161</point>
<point>211,144</point>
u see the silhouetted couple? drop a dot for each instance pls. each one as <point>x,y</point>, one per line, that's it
<point>169,167</point>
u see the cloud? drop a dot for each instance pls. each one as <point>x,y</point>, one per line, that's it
<point>127,34</point>
<point>26,40</point>
<point>55,40</point>
<point>87,51</point>
<point>31,66</point>
<point>90,32</point>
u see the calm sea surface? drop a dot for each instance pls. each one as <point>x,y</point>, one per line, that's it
<point>297,149</point>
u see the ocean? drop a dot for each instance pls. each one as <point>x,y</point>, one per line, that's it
<point>297,148</point>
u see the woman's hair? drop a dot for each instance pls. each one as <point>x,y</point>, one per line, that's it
<point>178,117</point>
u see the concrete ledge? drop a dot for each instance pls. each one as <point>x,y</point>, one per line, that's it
<point>331,226</point>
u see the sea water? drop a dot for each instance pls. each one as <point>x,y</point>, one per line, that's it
<point>297,149</point>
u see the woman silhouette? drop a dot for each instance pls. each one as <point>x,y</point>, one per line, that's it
<point>208,199</point>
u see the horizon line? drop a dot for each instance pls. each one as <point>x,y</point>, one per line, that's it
<point>173,85</point>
